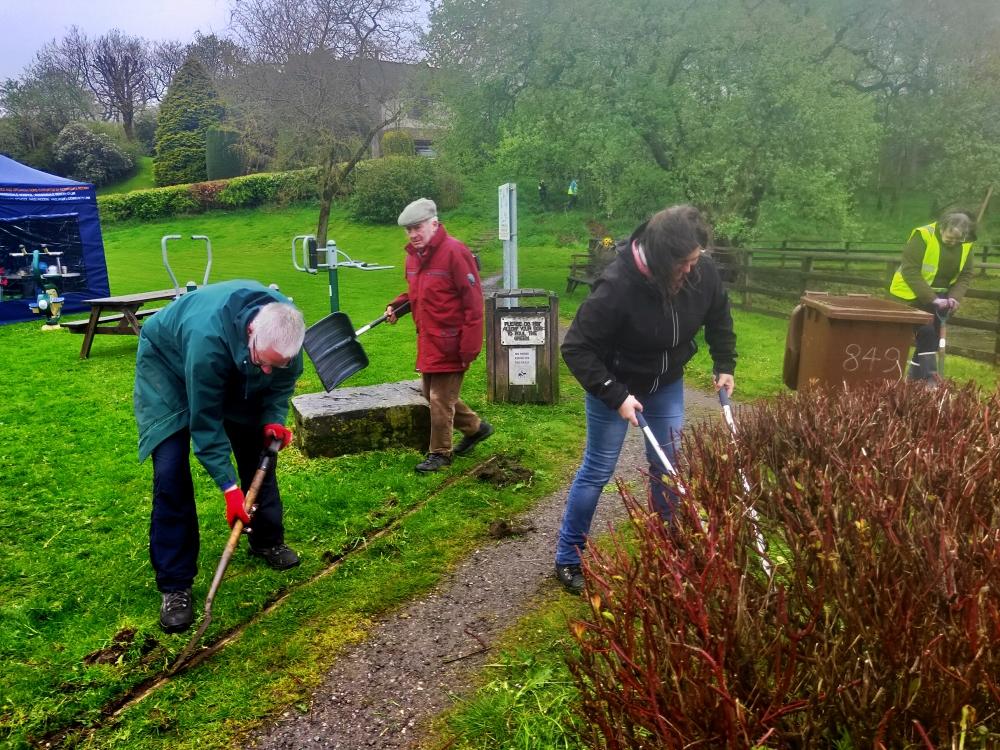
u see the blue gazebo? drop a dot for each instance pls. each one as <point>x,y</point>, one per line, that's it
<point>39,209</point>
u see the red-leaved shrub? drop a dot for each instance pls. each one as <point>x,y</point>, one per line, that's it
<point>880,627</point>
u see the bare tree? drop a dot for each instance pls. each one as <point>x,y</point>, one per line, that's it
<point>123,72</point>
<point>275,30</point>
<point>329,70</point>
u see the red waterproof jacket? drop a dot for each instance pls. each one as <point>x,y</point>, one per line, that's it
<point>446,300</point>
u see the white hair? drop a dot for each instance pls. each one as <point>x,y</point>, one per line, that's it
<point>281,327</point>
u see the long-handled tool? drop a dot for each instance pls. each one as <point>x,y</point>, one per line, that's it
<point>942,340</point>
<point>655,445</point>
<point>332,345</point>
<point>651,439</point>
<point>727,413</point>
<point>266,462</point>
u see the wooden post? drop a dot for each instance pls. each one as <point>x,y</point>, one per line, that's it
<point>745,270</point>
<point>807,264</point>
<point>996,340</point>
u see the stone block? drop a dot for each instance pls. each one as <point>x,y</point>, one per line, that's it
<point>354,420</point>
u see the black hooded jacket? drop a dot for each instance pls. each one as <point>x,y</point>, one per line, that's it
<point>627,337</point>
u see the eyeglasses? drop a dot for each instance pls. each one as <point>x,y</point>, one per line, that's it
<point>255,358</point>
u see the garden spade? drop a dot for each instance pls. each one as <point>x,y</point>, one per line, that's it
<point>266,462</point>
<point>332,345</point>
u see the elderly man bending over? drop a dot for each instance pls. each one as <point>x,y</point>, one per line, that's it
<point>215,370</point>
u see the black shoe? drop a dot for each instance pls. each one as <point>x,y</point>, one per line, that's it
<point>433,462</point>
<point>470,441</point>
<point>571,577</point>
<point>176,611</point>
<point>279,557</point>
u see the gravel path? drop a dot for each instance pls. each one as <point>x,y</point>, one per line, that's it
<point>379,693</point>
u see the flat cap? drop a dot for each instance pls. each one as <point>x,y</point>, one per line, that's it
<point>417,212</point>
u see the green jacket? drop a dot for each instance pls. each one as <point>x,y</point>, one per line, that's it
<point>193,371</point>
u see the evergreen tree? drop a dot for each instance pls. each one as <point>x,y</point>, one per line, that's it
<point>189,109</point>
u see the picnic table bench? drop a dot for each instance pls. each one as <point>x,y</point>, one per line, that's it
<point>123,320</point>
<point>584,268</point>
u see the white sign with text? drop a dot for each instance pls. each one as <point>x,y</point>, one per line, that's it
<point>521,366</point>
<point>522,331</point>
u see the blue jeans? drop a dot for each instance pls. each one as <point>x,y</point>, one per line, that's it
<point>606,430</point>
<point>173,523</point>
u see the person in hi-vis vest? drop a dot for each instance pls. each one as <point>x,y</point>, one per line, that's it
<point>934,275</point>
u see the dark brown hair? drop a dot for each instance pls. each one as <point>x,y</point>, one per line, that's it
<point>669,237</point>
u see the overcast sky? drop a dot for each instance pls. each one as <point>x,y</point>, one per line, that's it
<point>26,26</point>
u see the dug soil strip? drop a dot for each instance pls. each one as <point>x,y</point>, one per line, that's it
<point>381,692</point>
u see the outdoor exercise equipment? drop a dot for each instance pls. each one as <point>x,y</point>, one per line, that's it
<point>304,246</point>
<point>266,462</point>
<point>48,303</point>
<point>190,286</point>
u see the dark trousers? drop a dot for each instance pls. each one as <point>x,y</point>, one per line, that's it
<point>173,525</point>
<point>923,365</point>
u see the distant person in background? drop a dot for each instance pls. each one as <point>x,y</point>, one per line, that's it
<point>571,192</point>
<point>628,346</point>
<point>214,370</point>
<point>934,276</point>
<point>446,300</point>
<point>543,195</point>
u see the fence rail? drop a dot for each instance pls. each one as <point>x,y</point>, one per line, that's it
<point>785,274</point>
<point>986,254</point>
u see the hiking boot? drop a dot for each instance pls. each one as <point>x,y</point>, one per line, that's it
<point>176,611</point>
<point>470,441</point>
<point>571,577</point>
<point>433,462</point>
<point>279,557</point>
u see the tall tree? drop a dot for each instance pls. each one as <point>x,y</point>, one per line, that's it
<point>932,70</point>
<point>322,76</point>
<point>121,71</point>
<point>36,108</point>
<point>719,103</point>
<point>189,109</point>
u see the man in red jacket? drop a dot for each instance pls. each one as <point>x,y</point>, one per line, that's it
<point>446,300</point>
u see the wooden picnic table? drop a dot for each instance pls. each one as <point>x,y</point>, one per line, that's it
<point>124,317</point>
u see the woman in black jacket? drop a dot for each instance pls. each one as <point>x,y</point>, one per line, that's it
<point>628,346</point>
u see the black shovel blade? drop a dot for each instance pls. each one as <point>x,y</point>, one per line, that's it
<point>336,353</point>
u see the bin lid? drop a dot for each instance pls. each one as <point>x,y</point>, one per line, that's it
<point>864,307</point>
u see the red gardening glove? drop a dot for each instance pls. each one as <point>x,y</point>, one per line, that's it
<point>277,432</point>
<point>234,506</point>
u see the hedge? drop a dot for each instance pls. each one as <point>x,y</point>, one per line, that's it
<point>381,188</point>
<point>238,192</point>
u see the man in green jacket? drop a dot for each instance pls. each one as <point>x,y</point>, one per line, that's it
<point>934,275</point>
<point>215,370</point>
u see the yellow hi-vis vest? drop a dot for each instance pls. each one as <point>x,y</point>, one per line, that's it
<point>929,268</point>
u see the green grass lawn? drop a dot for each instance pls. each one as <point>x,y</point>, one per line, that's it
<point>74,570</point>
<point>142,179</point>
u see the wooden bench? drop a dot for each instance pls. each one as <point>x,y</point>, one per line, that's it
<point>126,312</point>
<point>80,326</point>
<point>579,272</point>
<point>584,268</point>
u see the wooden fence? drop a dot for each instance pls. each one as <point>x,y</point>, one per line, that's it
<point>771,280</point>
<point>987,255</point>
